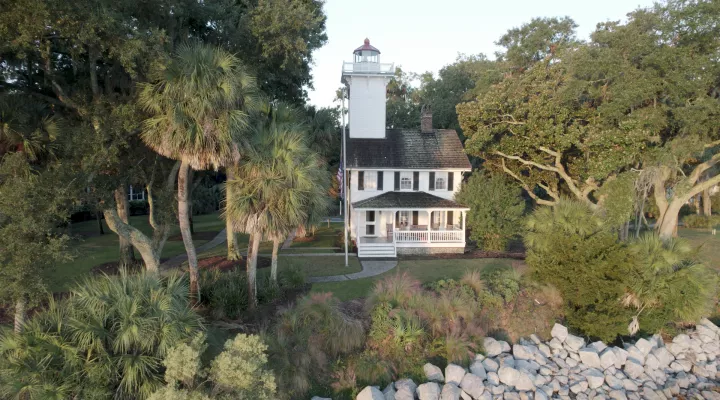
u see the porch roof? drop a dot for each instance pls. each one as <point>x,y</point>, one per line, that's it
<point>407,200</point>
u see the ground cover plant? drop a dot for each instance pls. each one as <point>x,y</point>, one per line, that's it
<point>441,321</point>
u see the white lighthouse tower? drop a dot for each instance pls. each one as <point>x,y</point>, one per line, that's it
<point>366,79</point>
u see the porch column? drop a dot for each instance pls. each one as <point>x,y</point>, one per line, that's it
<point>429,222</point>
<point>463,225</point>
<point>394,225</point>
<point>357,223</point>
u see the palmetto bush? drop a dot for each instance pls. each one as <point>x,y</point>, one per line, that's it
<point>612,288</point>
<point>225,293</point>
<point>668,284</point>
<point>107,340</point>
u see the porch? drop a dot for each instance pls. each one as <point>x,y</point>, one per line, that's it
<point>407,222</point>
<point>410,227</point>
<point>416,235</point>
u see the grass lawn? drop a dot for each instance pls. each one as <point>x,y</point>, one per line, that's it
<point>423,270</point>
<point>324,236</point>
<point>97,249</point>
<point>709,245</point>
<point>320,265</point>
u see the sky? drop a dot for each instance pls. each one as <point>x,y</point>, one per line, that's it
<point>425,35</point>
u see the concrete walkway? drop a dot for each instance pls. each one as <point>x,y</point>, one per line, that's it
<point>181,258</point>
<point>286,244</point>
<point>369,269</point>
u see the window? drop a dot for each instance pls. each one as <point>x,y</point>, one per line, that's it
<point>370,222</point>
<point>437,217</point>
<point>370,180</point>
<point>406,181</point>
<point>135,195</point>
<point>404,218</point>
<point>439,183</point>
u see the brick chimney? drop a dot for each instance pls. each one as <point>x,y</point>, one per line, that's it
<point>426,125</point>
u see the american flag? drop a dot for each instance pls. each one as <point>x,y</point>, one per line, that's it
<point>340,180</point>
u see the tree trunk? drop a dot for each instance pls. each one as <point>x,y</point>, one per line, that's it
<point>625,231</point>
<point>233,247</point>
<point>98,216</point>
<point>184,220</point>
<point>127,255</point>
<point>706,203</point>
<point>274,264</point>
<point>233,250</point>
<point>252,269</point>
<point>698,201</point>
<point>20,314</point>
<point>149,250</point>
<point>667,225</point>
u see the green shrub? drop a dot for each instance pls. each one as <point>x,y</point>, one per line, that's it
<point>206,198</point>
<point>715,203</point>
<point>108,339</point>
<point>238,372</point>
<point>687,209</point>
<point>225,293</point>
<point>139,207</point>
<point>496,209</point>
<point>570,247</point>
<point>701,221</point>
<point>373,370</point>
<point>292,278</point>
<point>502,282</point>
<point>458,288</point>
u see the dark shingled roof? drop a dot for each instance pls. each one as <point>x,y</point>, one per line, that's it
<point>408,149</point>
<point>406,200</point>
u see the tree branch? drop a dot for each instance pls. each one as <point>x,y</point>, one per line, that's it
<point>712,144</point>
<point>700,168</point>
<point>526,187</point>
<point>560,169</point>
<point>707,184</point>
<point>527,162</point>
<point>550,192</point>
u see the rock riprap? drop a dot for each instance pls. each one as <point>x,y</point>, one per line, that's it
<point>566,367</point>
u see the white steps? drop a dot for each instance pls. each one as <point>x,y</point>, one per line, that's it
<point>377,251</point>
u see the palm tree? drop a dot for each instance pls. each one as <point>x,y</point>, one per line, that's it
<point>280,185</point>
<point>27,127</point>
<point>667,276</point>
<point>198,107</point>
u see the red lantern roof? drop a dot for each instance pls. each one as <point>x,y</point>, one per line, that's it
<point>366,46</point>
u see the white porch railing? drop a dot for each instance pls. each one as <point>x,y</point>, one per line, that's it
<point>428,236</point>
<point>446,236</point>
<point>410,236</point>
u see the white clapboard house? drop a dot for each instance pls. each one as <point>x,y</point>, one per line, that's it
<point>402,182</point>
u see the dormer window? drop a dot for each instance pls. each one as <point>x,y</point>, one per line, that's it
<point>370,180</point>
<point>406,181</point>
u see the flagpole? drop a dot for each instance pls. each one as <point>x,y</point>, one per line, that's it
<point>344,188</point>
